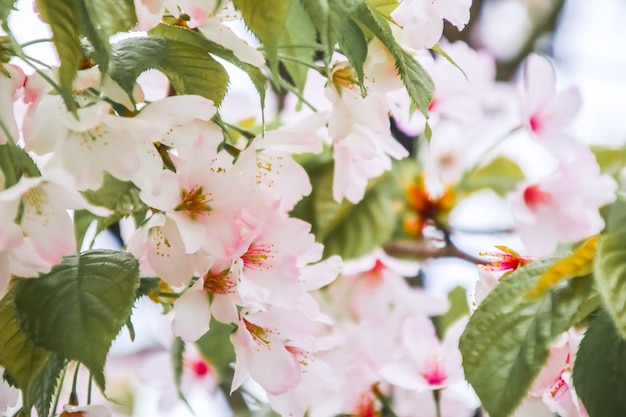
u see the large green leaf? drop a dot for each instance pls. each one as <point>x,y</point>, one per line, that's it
<point>329,18</point>
<point>266,20</point>
<point>131,57</point>
<point>102,19</point>
<point>600,369</point>
<point>62,16</point>
<point>418,83</point>
<point>346,229</point>
<point>197,39</point>
<point>353,44</point>
<point>78,308</point>
<point>610,264</point>
<point>33,369</point>
<point>610,276</point>
<point>191,70</point>
<point>500,175</point>
<point>507,340</point>
<point>299,31</point>
<point>112,16</point>
<point>320,14</point>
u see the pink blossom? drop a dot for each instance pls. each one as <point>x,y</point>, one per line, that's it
<point>428,363</point>
<point>359,126</point>
<point>562,207</point>
<point>199,197</point>
<point>269,346</point>
<point>546,111</point>
<point>554,385</point>
<point>422,20</point>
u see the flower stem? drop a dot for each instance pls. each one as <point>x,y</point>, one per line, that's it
<point>437,398</point>
<point>73,395</point>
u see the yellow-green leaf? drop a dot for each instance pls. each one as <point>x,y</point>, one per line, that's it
<point>577,264</point>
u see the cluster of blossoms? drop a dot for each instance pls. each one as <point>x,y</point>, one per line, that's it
<point>321,337</point>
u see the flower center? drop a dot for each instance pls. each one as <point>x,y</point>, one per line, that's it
<point>344,75</point>
<point>194,202</point>
<point>218,283</point>
<point>534,196</point>
<point>257,256</point>
<point>200,368</point>
<point>258,333</point>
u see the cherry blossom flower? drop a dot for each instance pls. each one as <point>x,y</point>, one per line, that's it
<point>359,126</point>
<point>161,251</point>
<point>277,173</point>
<point>199,197</point>
<point>375,286</point>
<point>554,385</point>
<point>193,310</point>
<point>271,255</point>
<point>422,20</point>
<point>270,346</point>
<point>546,111</point>
<point>562,207</point>
<point>179,120</point>
<point>428,363</point>
<point>44,218</point>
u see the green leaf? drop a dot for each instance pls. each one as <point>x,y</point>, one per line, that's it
<point>611,160</point>
<point>6,7</point>
<point>610,276</point>
<point>600,369</point>
<point>122,197</point>
<point>616,221</point>
<point>82,221</point>
<point>191,70</point>
<point>457,298</point>
<point>197,39</point>
<point>418,83</point>
<point>500,175</point>
<point>178,365</point>
<point>507,340</point>
<point>266,20</point>
<point>448,58</point>
<point>15,162</point>
<point>346,229</point>
<point>353,44</point>
<point>131,57</point>
<point>79,307</point>
<point>111,16</point>
<point>62,16</point>
<point>299,31</point>
<point>383,7</point>
<point>320,14</point>
<point>32,369</point>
